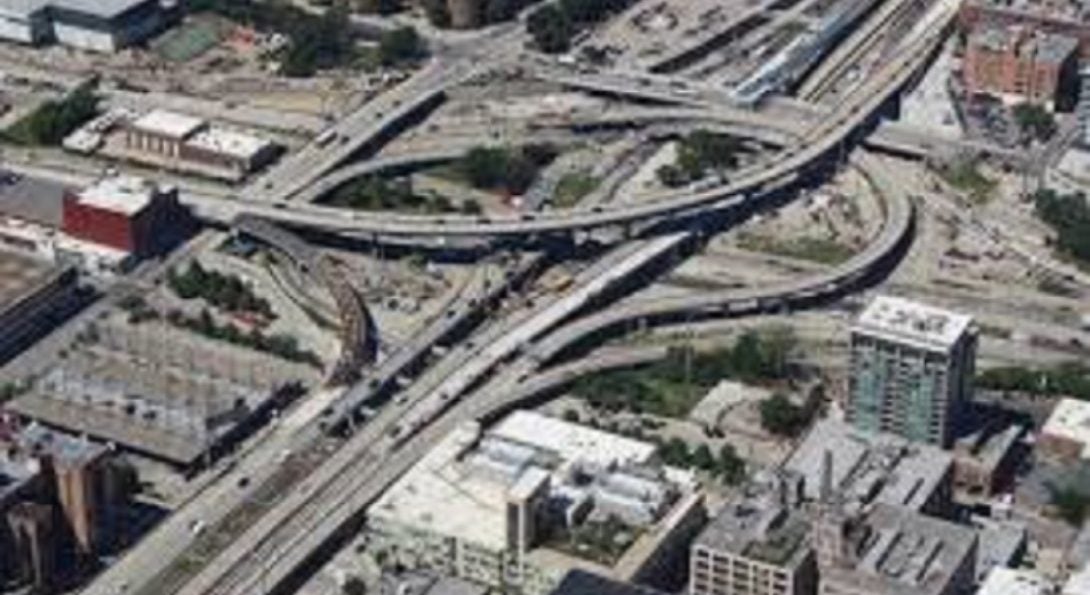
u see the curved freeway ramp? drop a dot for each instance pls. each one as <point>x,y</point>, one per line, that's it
<point>816,144</point>
<point>896,232</point>
<point>355,328</point>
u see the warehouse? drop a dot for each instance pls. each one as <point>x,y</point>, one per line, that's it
<point>96,25</point>
<point>25,21</point>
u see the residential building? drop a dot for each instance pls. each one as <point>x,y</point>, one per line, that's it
<point>34,546</point>
<point>1019,64</point>
<point>465,14</point>
<point>912,368</point>
<point>1066,434</point>
<point>501,507</point>
<point>96,25</point>
<point>58,493</point>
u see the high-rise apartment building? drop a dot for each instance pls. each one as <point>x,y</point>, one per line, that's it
<point>912,367</point>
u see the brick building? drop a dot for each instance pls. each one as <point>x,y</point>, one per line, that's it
<point>120,220</point>
<point>1017,63</point>
<point>1069,19</point>
<point>186,143</point>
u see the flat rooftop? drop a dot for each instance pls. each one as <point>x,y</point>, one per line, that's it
<point>460,488</point>
<point>65,448</point>
<point>905,321</point>
<point>869,468</point>
<point>229,142</point>
<point>1070,419</point>
<point>14,476</point>
<point>758,524</point>
<point>156,390</point>
<point>906,553</point>
<point>1008,581</point>
<point>128,195</point>
<point>36,200</point>
<point>167,123</point>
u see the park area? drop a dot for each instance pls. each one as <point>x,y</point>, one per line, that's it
<point>193,38</point>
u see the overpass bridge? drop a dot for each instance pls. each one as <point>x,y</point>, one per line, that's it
<point>356,336</point>
<point>816,143</point>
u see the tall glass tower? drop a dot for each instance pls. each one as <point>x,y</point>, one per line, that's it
<point>912,369</point>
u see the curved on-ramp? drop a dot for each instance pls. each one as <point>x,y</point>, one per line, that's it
<point>816,143</point>
<point>355,328</point>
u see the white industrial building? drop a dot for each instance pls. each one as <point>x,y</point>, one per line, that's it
<point>482,504</point>
<point>96,25</point>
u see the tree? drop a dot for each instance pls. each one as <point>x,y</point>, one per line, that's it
<point>1034,121</point>
<point>731,468</point>
<point>437,12</point>
<point>702,458</point>
<point>551,29</point>
<point>1071,504</point>
<point>747,358</point>
<point>54,120</point>
<point>400,45</point>
<point>671,176</point>
<point>780,416</point>
<point>675,452</point>
<point>354,586</point>
<point>484,167</point>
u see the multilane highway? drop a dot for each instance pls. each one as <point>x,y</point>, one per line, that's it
<point>817,143</point>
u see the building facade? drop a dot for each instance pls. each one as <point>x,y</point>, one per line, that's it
<point>912,368</point>
<point>186,143</point>
<point>1047,16</point>
<point>119,220</point>
<point>1019,64</point>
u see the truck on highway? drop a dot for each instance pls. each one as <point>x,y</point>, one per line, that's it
<point>326,137</point>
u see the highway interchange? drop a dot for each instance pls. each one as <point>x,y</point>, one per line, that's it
<point>481,366</point>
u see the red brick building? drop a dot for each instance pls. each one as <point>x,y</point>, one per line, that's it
<point>1019,64</point>
<point>128,218</point>
<point>1060,18</point>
